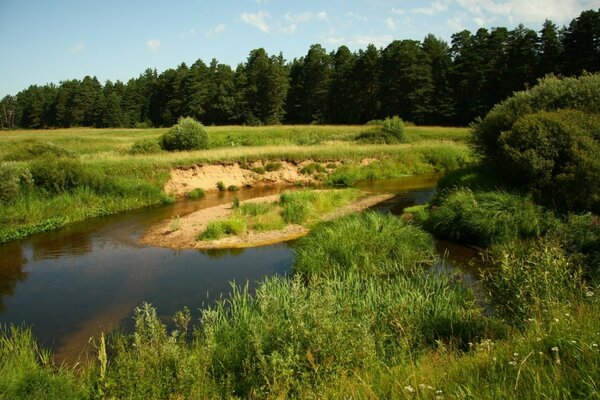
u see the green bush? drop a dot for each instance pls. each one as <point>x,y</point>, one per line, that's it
<point>551,93</point>
<point>273,166</point>
<point>197,193</point>
<point>187,134</point>
<point>368,243</point>
<point>391,131</point>
<point>485,218</point>
<point>14,180</point>
<point>145,146</point>
<point>580,234</point>
<point>526,278</point>
<point>312,168</point>
<point>556,154</point>
<point>58,175</point>
<point>218,229</point>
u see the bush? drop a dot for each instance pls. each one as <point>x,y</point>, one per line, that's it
<point>580,234</point>
<point>556,154</point>
<point>58,175</point>
<point>197,193</point>
<point>367,244</point>
<point>187,134</point>
<point>551,93</point>
<point>394,127</point>
<point>218,229</point>
<point>14,180</point>
<point>485,218</point>
<point>273,166</point>
<point>312,168</point>
<point>145,146</point>
<point>391,131</point>
<point>547,138</point>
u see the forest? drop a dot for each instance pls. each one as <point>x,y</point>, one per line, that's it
<point>425,82</point>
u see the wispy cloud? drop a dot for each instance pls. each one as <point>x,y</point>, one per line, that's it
<point>390,24</point>
<point>77,48</point>
<point>153,44</point>
<point>379,41</point>
<point>292,21</point>
<point>433,8</point>
<point>536,11</point>
<point>398,11</point>
<point>257,20</point>
<point>220,28</point>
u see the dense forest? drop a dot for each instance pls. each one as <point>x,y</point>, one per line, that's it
<point>426,82</point>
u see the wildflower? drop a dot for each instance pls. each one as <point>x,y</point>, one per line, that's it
<point>409,388</point>
<point>494,358</point>
<point>439,391</point>
<point>554,348</point>
<point>513,363</point>
<point>555,319</point>
<point>515,355</point>
<point>595,344</point>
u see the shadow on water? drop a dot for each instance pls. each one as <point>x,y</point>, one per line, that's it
<point>88,277</point>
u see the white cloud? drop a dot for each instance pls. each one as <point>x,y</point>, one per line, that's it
<point>77,48</point>
<point>257,20</point>
<point>530,11</point>
<point>192,31</point>
<point>356,16</point>
<point>292,21</point>
<point>153,44</point>
<point>390,24</point>
<point>262,2</point>
<point>220,28</point>
<point>398,11</point>
<point>434,8</point>
<point>378,41</point>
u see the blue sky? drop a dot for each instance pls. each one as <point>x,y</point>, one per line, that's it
<point>44,41</point>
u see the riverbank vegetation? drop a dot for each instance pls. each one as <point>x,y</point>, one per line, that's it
<point>303,207</point>
<point>55,177</point>
<point>364,314</point>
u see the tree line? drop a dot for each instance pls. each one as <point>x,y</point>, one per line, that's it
<point>426,82</point>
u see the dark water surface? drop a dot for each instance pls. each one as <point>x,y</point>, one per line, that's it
<point>69,285</point>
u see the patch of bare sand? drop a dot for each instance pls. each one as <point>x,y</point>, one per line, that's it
<point>206,176</point>
<point>181,233</point>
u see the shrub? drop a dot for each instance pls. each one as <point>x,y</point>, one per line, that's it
<point>312,168</point>
<point>221,186</point>
<point>197,193</point>
<point>233,188</point>
<point>14,180</point>
<point>485,218</point>
<point>218,229</point>
<point>556,154</point>
<point>259,170</point>
<point>273,166</point>
<point>368,243</point>
<point>57,175</point>
<point>256,209</point>
<point>391,131</point>
<point>145,146</point>
<point>394,127</point>
<point>187,134</point>
<point>580,234</point>
<point>551,93</point>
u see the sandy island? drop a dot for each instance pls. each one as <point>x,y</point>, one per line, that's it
<point>182,232</point>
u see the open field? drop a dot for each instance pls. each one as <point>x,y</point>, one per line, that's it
<point>104,178</point>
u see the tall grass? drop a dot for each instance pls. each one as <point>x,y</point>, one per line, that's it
<point>368,244</point>
<point>485,218</point>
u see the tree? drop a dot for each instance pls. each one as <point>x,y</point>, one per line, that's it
<point>582,44</point>
<point>550,49</point>
<point>440,61</point>
<point>342,106</point>
<point>365,87</point>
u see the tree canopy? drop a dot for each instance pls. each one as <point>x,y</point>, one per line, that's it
<point>426,82</point>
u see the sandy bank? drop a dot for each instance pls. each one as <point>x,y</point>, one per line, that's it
<point>181,233</point>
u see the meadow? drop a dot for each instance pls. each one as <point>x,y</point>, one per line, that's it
<point>85,173</point>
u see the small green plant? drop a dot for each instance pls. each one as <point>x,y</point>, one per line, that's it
<point>145,146</point>
<point>233,188</point>
<point>218,229</point>
<point>175,224</point>
<point>236,203</point>
<point>312,168</point>
<point>256,209</point>
<point>221,186</point>
<point>187,134</point>
<point>259,170</point>
<point>58,175</point>
<point>197,193</point>
<point>273,166</point>
<point>38,150</point>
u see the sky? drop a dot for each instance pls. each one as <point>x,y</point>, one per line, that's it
<point>43,41</point>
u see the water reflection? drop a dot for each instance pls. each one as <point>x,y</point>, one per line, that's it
<point>11,269</point>
<point>71,284</point>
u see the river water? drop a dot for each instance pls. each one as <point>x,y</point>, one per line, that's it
<point>69,285</point>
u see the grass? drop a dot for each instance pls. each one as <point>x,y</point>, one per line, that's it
<point>303,207</point>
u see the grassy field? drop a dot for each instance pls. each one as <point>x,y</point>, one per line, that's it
<point>83,173</point>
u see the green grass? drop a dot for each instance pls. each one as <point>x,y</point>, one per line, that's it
<point>304,207</point>
<point>113,180</point>
<point>485,218</point>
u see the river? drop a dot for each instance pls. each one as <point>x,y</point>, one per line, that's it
<point>71,284</point>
